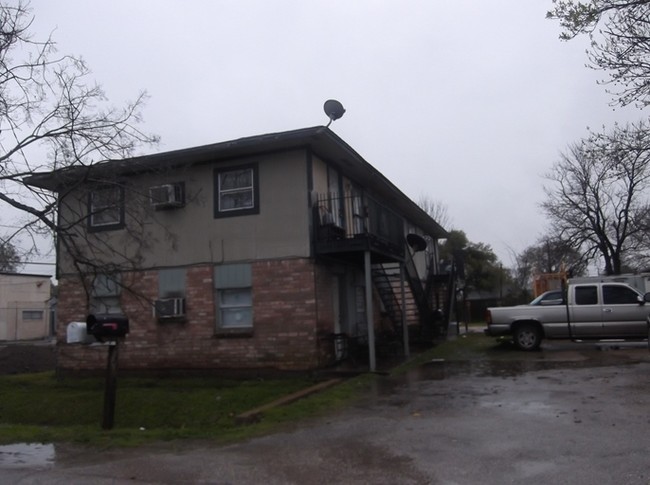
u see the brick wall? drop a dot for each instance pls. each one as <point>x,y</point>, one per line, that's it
<point>72,307</point>
<point>291,305</point>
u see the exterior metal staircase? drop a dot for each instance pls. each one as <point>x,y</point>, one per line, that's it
<point>427,307</point>
<point>386,278</point>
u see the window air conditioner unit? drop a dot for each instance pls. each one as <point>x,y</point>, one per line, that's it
<point>168,308</point>
<point>167,196</point>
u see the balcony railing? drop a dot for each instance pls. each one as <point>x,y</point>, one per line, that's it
<point>354,223</point>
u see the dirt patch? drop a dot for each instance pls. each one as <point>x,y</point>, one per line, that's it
<point>20,358</point>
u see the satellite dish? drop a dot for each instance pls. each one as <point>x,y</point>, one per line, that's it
<point>333,109</point>
<point>417,243</point>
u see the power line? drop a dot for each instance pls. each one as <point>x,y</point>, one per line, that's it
<point>21,263</point>
<point>8,226</point>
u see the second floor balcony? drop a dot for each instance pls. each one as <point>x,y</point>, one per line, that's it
<point>346,226</point>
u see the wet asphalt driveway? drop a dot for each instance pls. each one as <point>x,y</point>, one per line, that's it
<point>570,414</point>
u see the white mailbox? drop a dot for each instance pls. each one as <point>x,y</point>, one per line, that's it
<point>76,333</point>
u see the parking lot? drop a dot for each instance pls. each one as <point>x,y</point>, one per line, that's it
<point>571,413</point>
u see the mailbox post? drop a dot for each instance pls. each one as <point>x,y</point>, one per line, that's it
<point>110,387</point>
<point>110,329</point>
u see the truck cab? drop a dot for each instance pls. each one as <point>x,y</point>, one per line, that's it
<point>607,310</point>
<point>594,309</point>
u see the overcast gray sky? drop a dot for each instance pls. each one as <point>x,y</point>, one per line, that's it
<point>468,102</point>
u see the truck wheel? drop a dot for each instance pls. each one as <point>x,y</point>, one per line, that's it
<point>527,336</point>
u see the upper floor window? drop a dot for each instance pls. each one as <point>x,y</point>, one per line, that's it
<point>106,208</point>
<point>236,191</point>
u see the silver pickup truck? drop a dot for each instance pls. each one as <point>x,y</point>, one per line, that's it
<point>596,310</point>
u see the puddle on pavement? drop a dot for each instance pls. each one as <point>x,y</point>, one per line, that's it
<point>440,369</point>
<point>554,356</point>
<point>27,455</point>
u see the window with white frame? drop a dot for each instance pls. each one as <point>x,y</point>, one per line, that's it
<point>105,294</point>
<point>106,208</point>
<point>236,191</point>
<point>234,296</point>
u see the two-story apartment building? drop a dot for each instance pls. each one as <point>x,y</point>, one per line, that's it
<point>257,253</point>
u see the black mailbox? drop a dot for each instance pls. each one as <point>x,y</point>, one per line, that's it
<point>107,326</point>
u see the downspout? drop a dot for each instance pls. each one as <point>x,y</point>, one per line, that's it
<point>369,315</point>
<point>565,289</point>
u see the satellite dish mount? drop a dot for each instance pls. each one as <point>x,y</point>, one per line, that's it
<point>333,109</point>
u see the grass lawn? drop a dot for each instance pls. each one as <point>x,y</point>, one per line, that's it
<point>40,408</point>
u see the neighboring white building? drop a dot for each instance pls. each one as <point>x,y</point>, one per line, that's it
<point>24,306</point>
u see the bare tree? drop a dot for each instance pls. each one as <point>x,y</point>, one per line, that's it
<point>619,31</point>
<point>597,198</point>
<point>551,255</point>
<point>436,209</point>
<point>547,255</point>
<point>52,117</point>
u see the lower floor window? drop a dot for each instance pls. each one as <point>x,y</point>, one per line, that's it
<point>236,308</point>
<point>234,296</point>
<point>108,304</point>
<point>105,294</point>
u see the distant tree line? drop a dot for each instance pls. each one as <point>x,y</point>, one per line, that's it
<point>9,258</point>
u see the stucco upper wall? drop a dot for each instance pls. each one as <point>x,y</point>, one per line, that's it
<point>192,234</point>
